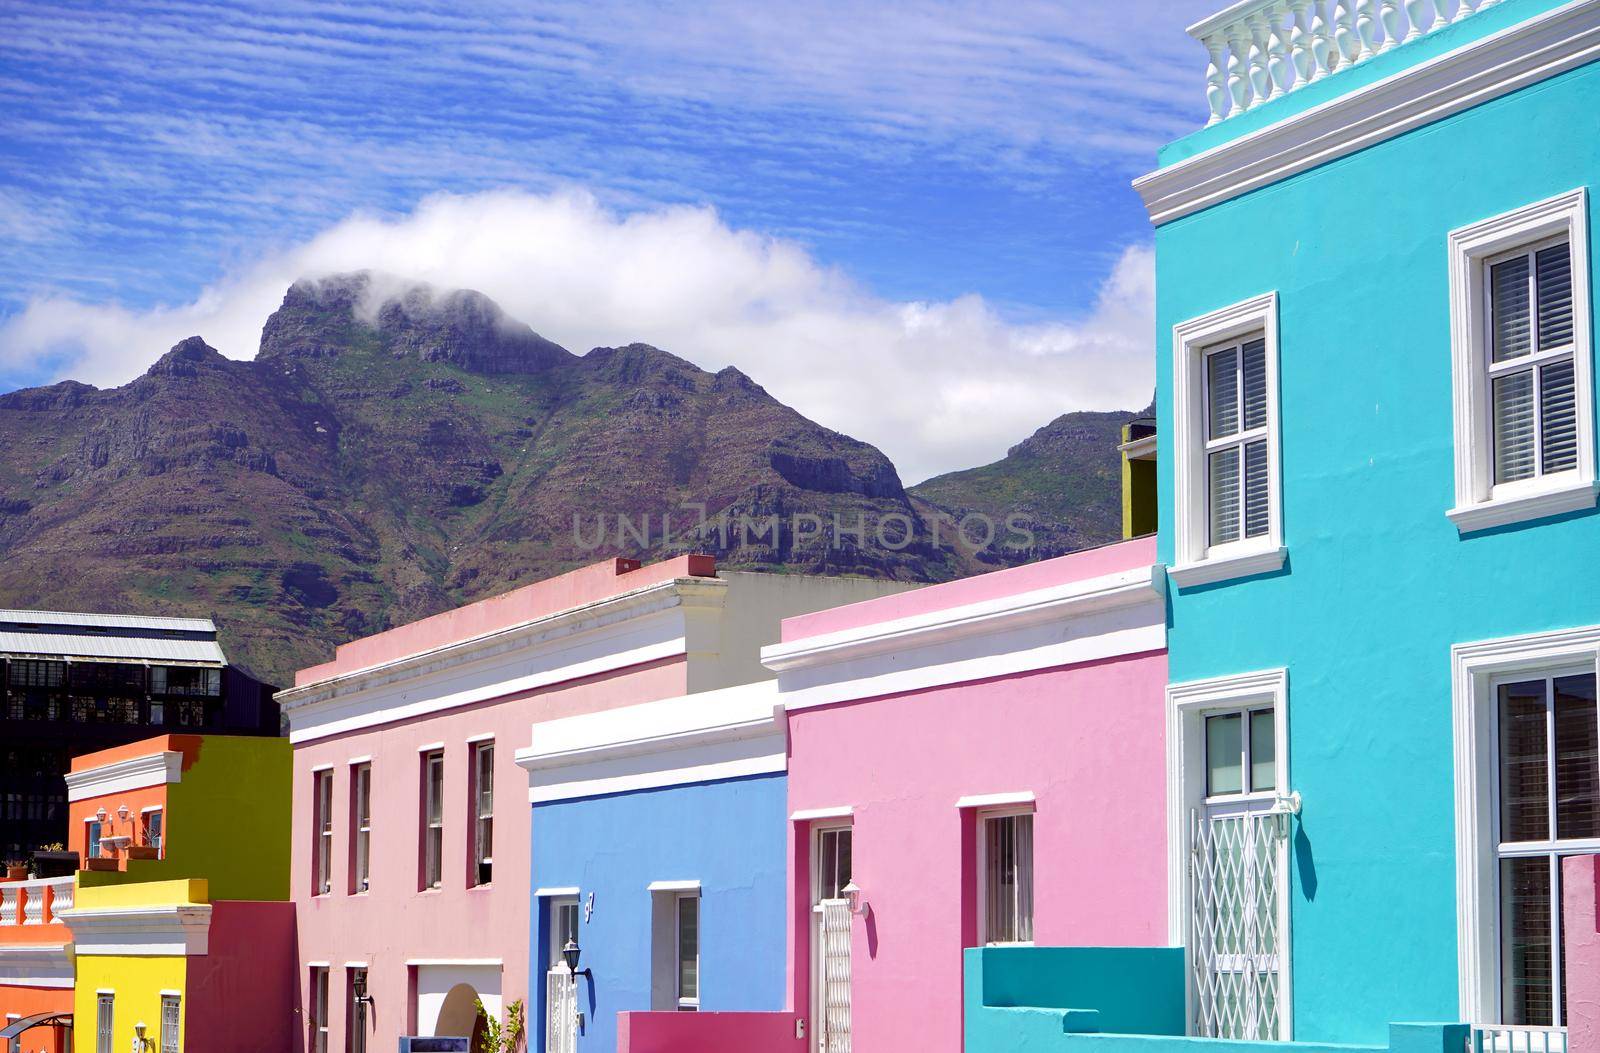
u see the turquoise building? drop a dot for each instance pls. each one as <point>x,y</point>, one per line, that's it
<point>1377,507</point>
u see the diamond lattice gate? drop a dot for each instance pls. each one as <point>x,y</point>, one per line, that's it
<point>835,1037</point>
<point>561,1011</point>
<point>1236,881</point>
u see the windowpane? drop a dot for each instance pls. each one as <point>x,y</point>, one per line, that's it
<point>1553,267</point>
<point>363,823</point>
<point>171,1022</point>
<point>1008,879</point>
<point>1508,305</point>
<point>1577,786</point>
<point>688,947</point>
<point>1223,471</point>
<point>1525,944</point>
<point>433,828</point>
<point>1224,755</point>
<point>1558,418</point>
<point>1257,509</point>
<point>1255,384</point>
<point>1513,427</point>
<point>1524,790</point>
<point>1222,386</point>
<point>1263,751</point>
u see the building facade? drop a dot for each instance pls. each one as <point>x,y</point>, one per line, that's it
<point>975,763</point>
<point>403,748</point>
<point>1376,403</point>
<point>76,683</point>
<point>658,851</point>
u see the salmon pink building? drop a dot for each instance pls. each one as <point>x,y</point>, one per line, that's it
<point>411,845</point>
<point>970,764</point>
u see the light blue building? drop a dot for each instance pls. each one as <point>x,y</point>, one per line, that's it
<point>658,850</point>
<point>1377,506</point>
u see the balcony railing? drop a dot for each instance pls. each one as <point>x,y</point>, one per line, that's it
<point>1497,1038</point>
<point>1264,49</point>
<point>34,902</point>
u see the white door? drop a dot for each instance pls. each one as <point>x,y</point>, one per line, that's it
<point>560,986</point>
<point>1237,883</point>
<point>830,939</point>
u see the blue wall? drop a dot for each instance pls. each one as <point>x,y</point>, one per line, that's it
<point>728,835</point>
<point>1378,584</point>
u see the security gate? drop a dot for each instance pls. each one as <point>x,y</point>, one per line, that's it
<point>1236,888</point>
<point>561,1011</point>
<point>835,1037</point>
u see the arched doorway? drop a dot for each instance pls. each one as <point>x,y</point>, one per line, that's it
<point>459,1016</point>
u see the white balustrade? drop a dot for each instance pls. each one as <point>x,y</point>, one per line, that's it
<point>61,895</point>
<point>33,905</point>
<point>9,900</point>
<point>1263,49</point>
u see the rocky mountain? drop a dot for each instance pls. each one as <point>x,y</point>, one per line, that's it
<point>386,456</point>
<point>1063,485</point>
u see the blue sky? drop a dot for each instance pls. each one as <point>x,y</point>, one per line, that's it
<point>162,164</point>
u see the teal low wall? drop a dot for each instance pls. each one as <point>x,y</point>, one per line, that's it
<point>1118,1000</point>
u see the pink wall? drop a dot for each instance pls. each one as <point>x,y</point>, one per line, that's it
<point>575,589</point>
<point>394,922</point>
<point>707,1033</point>
<point>1091,563</point>
<point>1086,740</point>
<point>1580,935</point>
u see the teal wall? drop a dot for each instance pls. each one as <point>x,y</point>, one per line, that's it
<point>1378,584</point>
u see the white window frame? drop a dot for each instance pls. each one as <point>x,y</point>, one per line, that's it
<point>1188,704</point>
<point>431,872</point>
<point>105,1021</point>
<point>171,1039</point>
<point>479,857</point>
<point>1480,504</point>
<point>160,814</point>
<point>685,1004</point>
<point>555,906</point>
<point>1197,561</point>
<point>93,831</point>
<point>360,829</point>
<point>319,1008</point>
<point>322,830</point>
<point>1476,671</point>
<point>982,817</point>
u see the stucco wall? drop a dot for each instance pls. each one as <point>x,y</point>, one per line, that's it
<point>1086,740</point>
<point>1377,584</point>
<point>728,835</point>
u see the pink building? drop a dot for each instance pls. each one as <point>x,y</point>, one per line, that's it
<point>973,763</point>
<point>411,835</point>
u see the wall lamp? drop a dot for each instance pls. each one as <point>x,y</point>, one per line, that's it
<point>852,894</point>
<point>359,994</point>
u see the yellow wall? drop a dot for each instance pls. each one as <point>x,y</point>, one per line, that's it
<point>138,983</point>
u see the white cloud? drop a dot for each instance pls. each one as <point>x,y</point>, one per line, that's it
<point>936,386</point>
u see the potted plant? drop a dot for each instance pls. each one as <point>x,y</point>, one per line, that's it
<point>16,870</point>
<point>53,860</point>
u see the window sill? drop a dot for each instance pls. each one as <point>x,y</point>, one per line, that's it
<point>1502,511</point>
<point>1226,567</point>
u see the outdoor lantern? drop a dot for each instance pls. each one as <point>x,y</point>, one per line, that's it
<point>360,985</point>
<point>852,893</point>
<point>1284,806</point>
<point>122,813</point>
<point>100,815</point>
<point>139,1041</point>
<point>570,954</point>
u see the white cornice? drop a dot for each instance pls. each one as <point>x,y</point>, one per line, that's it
<point>36,965</point>
<point>1526,53</point>
<point>1074,599</point>
<point>135,773</point>
<point>145,931</point>
<point>1104,617</point>
<point>641,626</point>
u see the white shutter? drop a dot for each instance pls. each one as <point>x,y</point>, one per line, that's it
<point>1553,267</point>
<point>1508,305</point>
<point>1513,427</point>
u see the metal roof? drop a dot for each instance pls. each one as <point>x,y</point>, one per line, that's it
<point>153,649</point>
<point>109,621</point>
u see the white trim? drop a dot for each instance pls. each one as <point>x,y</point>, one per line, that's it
<point>559,890</point>
<point>473,740</point>
<point>498,963</point>
<point>46,965</point>
<point>1473,666</point>
<point>995,800</point>
<point>645,625</point>
<point>152,808</point>
<point>673,886</point>
<point>357,965</point>
<point>1115,614</point>
<point>1142,449</point>
<point>320,768</point>
<point>981,871</point>
<point>807,815</point>
<point>353,761</point>
<point>1186,705</point>
<point>318,965</point>
<point>105,990</point>
<point>170,993</point>
<point>1533,50</point>
<point>1479,503</point>
<point>1196,561</point>
<point>692,738</point>
<point>163,930</point>
<point>135,773</point>
<point>432,747</point>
